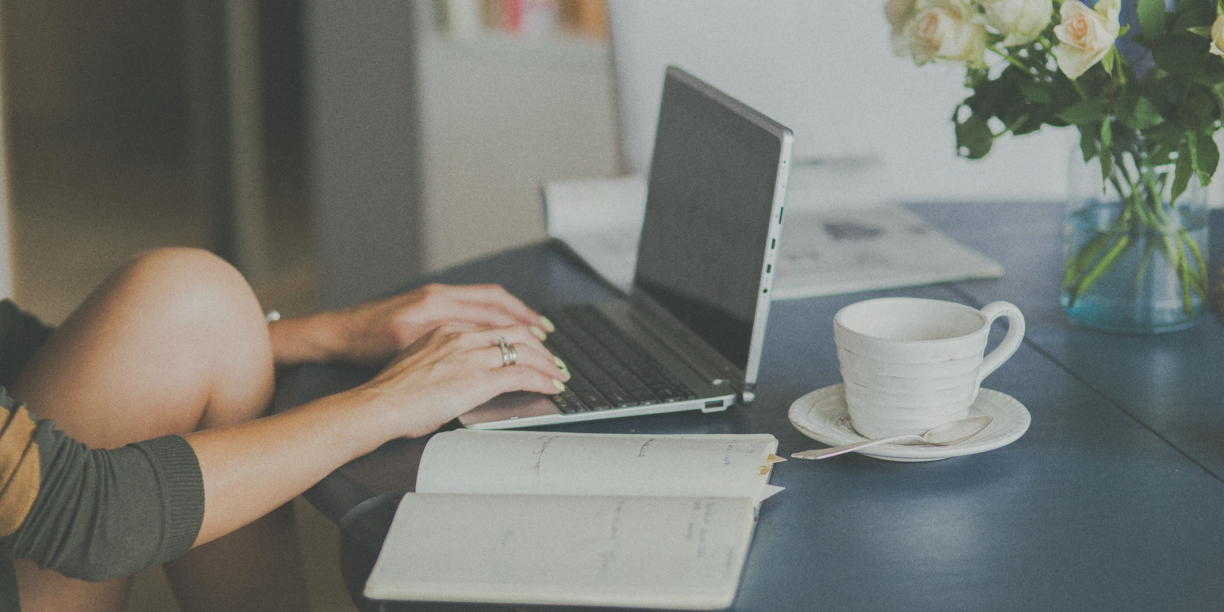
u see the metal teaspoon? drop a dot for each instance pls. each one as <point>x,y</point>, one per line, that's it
<point>943,435</point>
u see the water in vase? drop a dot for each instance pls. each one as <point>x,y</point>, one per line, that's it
<point>1143,290</point>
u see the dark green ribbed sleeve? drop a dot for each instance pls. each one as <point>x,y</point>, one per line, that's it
<point>101,514</point>
<point>20,336</point>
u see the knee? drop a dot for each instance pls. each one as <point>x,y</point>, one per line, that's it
<point>204,306</point>
<point>177,262</point>
<point>192,285</point>
<point>199,303</point>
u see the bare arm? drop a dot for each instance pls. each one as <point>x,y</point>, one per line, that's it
<point>373,333</point>
<point>253,467</point>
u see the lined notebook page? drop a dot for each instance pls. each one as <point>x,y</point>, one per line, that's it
<point>546,463</point>
<point>661,552</point>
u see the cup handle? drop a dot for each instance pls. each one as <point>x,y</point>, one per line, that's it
<point>1011,342</point>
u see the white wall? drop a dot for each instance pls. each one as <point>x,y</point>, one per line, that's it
<point>498,119</point>
<point>825,69</point>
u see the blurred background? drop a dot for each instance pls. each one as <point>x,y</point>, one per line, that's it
<point>134,124</point>
<point>99,125</point>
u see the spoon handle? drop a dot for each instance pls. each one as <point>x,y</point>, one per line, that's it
<point>821,453</point>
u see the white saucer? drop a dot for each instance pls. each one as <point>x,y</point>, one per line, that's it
<point>821,415</point>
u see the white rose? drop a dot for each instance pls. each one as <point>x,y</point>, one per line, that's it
<point>1019,21</point>
<point>1085,34</point>
<point>898,13</point>
<point>1217,36</point>
<point>949,30</point>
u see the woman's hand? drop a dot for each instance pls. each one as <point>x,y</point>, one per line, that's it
<point>252,467</point>
<point>371,334</point>
<point>454,368</point>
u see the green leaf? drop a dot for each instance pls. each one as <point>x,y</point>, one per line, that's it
<point>1181,55</point>
<point>1204,31</point>
<point>1027,126</point>
<point>1084,111</point>
<point>1106,158</point>
<point>973,137</point>
<point>1194,5</point>
<point>1032,91</point>
<point>1206,159</point>
<point>1193,14</point>
<point>1151,18</point>
<point>1139,115</point>
<point>1181,176</point>
<point>1200,111</point>
<point>1192,146</point>
<point>1161,154</point>
<point>1088,145</point>
<point>1217,90</point>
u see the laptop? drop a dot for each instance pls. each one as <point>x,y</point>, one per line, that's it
<point>689,334</point>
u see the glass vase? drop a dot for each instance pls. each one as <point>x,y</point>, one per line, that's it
<point>1134,257</point>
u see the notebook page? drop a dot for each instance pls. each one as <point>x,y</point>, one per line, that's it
<point>548,463</point>
<point>634,552</point>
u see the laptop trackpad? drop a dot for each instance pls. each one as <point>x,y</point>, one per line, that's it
<point>516,404</point>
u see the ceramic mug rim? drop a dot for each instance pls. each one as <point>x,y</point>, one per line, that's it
<point>982,328</point>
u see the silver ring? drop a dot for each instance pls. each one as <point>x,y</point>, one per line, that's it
<point>509,355</point>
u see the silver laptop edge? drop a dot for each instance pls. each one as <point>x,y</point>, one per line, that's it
<point>701,356</point>
<point>717,381</point>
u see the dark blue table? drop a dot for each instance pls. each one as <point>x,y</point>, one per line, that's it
<point>1113,500</point>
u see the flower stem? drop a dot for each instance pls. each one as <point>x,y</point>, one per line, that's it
<point>1012,60</point>
<point>1079,262</point>
<point>1100,268</point>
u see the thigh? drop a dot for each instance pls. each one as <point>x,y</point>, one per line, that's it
<point>172,342</point>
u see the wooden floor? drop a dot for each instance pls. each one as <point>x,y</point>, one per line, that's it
<point>82,204</point>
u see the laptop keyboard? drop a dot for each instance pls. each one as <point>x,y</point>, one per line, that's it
<point>609,371</point>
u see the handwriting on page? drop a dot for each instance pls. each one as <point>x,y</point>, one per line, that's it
<point>699,538</point>
<point>608,556</point>
<point>545,441</point>
<point>554,463</point>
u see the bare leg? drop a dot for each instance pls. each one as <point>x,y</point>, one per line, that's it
<point>173,342</point>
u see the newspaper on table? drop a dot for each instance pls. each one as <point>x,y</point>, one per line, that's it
<point>825,250</point>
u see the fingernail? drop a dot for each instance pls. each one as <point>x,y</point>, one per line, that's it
<point>560,386</point>
<point>548,325</point>
<point>539,333</point>
<point>564,368</point>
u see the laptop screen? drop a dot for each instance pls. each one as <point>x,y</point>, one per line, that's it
<point>708,210</point>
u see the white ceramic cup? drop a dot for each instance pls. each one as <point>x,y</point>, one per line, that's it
<point>911,364</point>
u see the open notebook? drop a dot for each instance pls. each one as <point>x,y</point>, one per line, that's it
<point>577,519</point>
<point>825,250</point>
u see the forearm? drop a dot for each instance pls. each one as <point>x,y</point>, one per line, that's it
<point>317,338</point>
<point>371,334</point>
<point>253,468</point>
